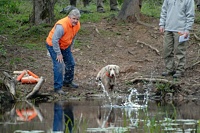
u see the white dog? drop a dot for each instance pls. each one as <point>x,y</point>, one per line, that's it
<point>107,75</point>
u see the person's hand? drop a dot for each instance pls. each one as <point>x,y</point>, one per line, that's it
<point>59,58</point>
<point>186,34</point>
<point>161,29</point>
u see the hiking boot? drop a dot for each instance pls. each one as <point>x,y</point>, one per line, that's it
<point>114,9</point>
<point>178,75</point>
<point>71,85</point>
<point>61,92</point>
<point>168,73</point>
<point>198,7</point>
<point>101,10</point>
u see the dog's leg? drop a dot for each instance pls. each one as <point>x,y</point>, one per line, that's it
<point>111,87</point>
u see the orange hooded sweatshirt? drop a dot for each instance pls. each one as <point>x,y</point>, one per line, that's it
<point>69,33</point>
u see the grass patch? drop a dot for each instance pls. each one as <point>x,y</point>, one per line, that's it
<point>31,46</point>
<point>14,14</point>
<point>151,9</point>
<point>164,88</point>
<point>78,44</point>
<point>32,33</point>
<point>14,19</point>
<point>197,18</point>
<point>15,61</point>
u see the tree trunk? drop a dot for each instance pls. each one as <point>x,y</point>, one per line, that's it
<point>130,10</point>
<point>43,11</point>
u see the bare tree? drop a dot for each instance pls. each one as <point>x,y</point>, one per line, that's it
<point>130,10</point>
<point>43,11</point>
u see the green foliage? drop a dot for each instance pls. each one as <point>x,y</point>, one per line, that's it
<point>198,125</point>
<point>15,15</point>
<point>69,122</point>
<point>11,18</point>
<point>2,50</point>
<point>9,6</point>
<point>31,46</point>
<point>93,17</point>
<point>120,2</point>
<point>151,8</point>
<point>197,18</point>
<point>32,33</point>
<point>165,88</point>
<point>15,60</point>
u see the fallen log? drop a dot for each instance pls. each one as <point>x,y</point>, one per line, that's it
<point>36,89</point>
<point>10,83</point>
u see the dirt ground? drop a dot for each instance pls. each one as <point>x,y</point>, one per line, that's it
<point>135,47</point>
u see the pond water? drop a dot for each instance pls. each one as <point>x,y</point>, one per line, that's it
<point>125,114</point>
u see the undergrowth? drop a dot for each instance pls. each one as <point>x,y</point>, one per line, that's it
<point>15,16</point>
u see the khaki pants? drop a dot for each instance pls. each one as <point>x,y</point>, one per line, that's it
<point>174,51</point>
<point>113,4</point>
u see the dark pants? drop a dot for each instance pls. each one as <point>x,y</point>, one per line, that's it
<point>58,123</point>
<point>85,2</point>
<point>113,4</point>
<point>58,68</point>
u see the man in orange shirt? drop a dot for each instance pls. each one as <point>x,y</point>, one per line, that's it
<point>59,43</point>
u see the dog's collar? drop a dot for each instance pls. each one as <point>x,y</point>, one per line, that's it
<point>108,75</point>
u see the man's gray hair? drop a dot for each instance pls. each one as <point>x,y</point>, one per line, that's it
<point>74,13</point>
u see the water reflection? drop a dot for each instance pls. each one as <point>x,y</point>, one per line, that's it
<point>92,116</point>
<point>63,109</point>
<point>106,120</point>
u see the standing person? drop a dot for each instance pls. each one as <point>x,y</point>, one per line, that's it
<point>198,5</point>
<point>113,6</point>
<point>140,3</point>
<point>177,18</point>
<point>60,43</point>
<point>73,3</point>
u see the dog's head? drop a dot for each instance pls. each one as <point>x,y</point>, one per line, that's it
<point>113,70</point>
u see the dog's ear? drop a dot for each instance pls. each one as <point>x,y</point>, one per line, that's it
<point>107,68</point>
<point>117,69</point>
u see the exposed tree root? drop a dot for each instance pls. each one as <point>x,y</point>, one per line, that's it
<point>154,80</point>
<point>196,37</point>
<point>196,63</point>
<point>175,87</point>
<point>196,60</point>
<point>154,49</point>
<point>145,24</point>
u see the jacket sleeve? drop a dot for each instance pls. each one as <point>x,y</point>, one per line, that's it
<point>163,14</point>
<point>59,31</point>
<point>190,15</point>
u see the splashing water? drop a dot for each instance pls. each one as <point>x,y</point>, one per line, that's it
<point>128,103</point>
<point>106,93</point>
<point>131,106</point>
<point>134,104</point>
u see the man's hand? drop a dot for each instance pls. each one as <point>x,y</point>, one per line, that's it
<point>161,29</point>
<point>185,33</point>
<point>59,58</point>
